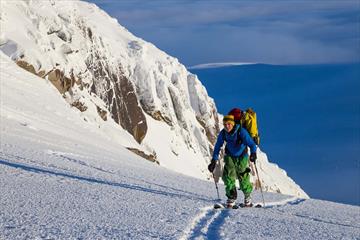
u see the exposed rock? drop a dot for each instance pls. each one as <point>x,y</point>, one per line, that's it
<point>62,35</point>
<point>117,91</point>
<point>128,112</point>
<point>60,81</point>
<point>150,157</point>
<point>41,73</point>
<point>79,105</point>
<point>102,113</point>
<point>28,67</point>
<point>157,115</point>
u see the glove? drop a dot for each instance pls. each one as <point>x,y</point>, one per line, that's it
<point>253,157</point>
<point>212,165</point>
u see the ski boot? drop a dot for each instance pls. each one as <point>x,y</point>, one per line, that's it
<point>230,203</point>
<point>247,202</point>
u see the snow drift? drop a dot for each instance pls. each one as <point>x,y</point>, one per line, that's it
<point>136,95</point>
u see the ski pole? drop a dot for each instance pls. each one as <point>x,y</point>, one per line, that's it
<point>217,189</point>
<point>257,174</point>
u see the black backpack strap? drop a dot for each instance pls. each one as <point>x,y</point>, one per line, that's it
<point>238,138</point>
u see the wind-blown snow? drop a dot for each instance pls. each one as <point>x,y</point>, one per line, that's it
<point>63,178</point>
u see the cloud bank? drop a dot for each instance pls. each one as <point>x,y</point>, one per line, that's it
<point>276,32</point>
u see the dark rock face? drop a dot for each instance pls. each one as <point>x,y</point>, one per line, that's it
<point>118,93</point>
<point>125,109</point>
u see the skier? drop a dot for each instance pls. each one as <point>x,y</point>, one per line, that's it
<point>236,160</point>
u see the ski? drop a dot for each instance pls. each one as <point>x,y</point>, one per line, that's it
<point>242,205</point>
<point>223,206</point>
<point>236,206</point>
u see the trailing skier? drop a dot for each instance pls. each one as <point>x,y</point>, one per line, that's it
<point>236,160</point>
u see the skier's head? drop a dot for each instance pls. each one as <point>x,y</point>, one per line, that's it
<point>228,122</point>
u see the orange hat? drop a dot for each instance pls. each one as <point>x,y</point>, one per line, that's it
<point>229,119</point>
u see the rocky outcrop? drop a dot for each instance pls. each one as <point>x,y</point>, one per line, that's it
<point>60,81</point>
<point>150,157</point>
<point>118,93</point>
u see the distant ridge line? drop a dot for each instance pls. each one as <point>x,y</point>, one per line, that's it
<point>218,65</point>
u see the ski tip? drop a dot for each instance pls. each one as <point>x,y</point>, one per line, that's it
<point>218,206</point>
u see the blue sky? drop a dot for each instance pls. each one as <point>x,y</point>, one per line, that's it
<point>275,32</point>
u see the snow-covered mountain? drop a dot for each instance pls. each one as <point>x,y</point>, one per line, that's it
<point>64,178</point>
<point>133,93</point>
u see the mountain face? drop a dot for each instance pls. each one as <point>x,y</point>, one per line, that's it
<point>110,75</point>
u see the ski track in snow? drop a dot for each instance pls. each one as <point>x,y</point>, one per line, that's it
<point>207,223</point>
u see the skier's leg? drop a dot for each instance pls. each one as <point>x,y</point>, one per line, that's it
<point>229,178</point>
<point>244,178</point>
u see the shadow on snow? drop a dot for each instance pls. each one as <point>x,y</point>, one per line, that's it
<point>99,181</point>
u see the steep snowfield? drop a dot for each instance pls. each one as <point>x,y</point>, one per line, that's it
<point>62,178</point>
<point>99,66</point>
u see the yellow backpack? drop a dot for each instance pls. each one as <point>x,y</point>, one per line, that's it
<point>249,122</point>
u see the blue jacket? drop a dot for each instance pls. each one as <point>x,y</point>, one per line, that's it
<point>232,144</point>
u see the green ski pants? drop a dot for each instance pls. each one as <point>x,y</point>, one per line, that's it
<point>233,169</point>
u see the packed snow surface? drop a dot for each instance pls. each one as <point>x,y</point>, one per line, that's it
<point>62,178</point>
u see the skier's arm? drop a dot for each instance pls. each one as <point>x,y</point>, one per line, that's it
<point>245,136</point>
<point>218,145</point>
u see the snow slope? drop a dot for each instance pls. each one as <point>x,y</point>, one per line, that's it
<point>99,67</point>
<point>64,178</point>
